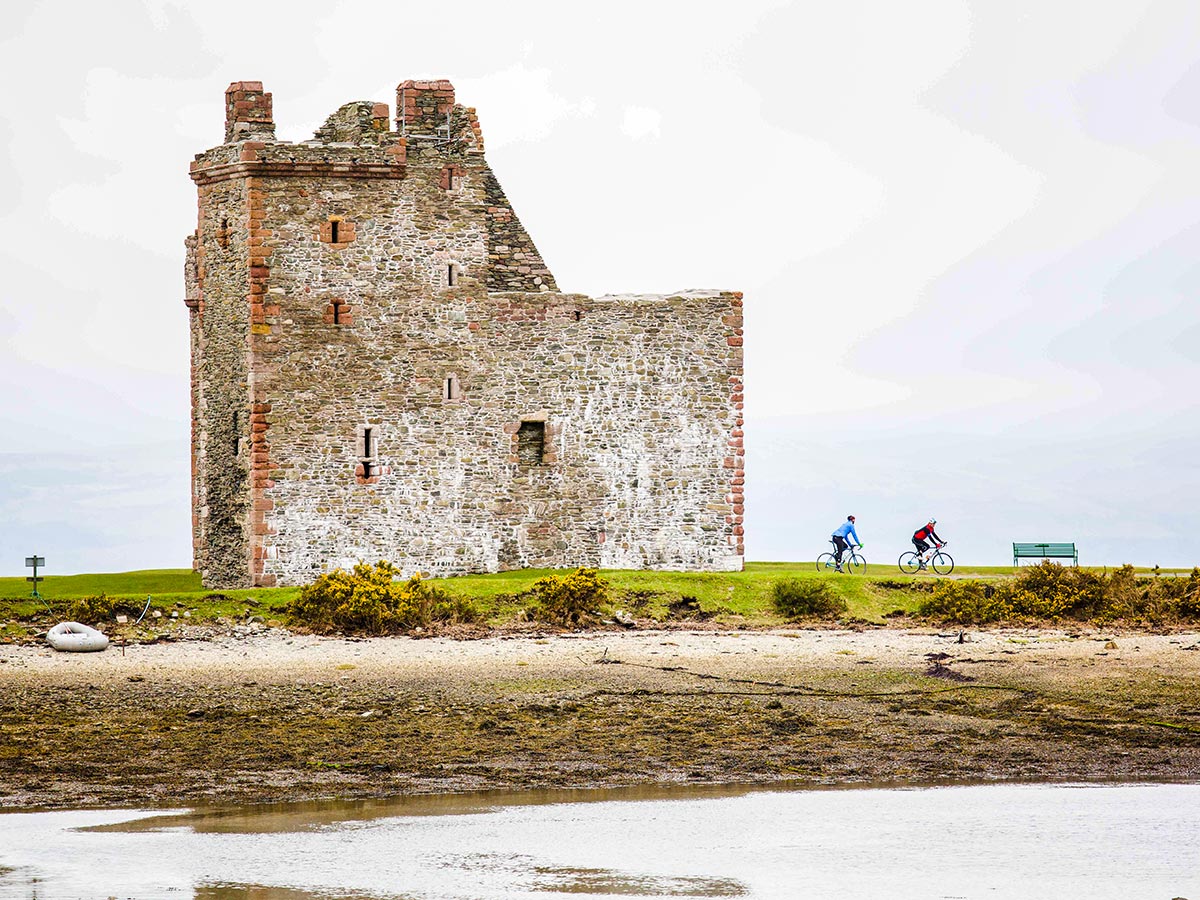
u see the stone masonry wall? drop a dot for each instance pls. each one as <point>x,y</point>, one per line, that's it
<point>376,330</point>
<point>220,328</point>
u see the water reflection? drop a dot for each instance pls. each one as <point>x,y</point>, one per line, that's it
<point>264,892</point>
<point>268,818</point>
<point>1001,842</point>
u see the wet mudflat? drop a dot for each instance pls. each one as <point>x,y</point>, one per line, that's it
<point>279,717</point>
<point>994,841</point>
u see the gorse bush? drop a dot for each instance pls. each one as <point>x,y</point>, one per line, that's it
<point>968,603</point>
<point>1052,592</point>
<point>101,608</point>
<point>800,598</point>
<point>571,599</point>
<point>370,600</point>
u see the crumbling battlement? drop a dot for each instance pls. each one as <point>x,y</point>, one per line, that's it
<point>383,367</point>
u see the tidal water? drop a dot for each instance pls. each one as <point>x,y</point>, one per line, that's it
<point>994,841</point>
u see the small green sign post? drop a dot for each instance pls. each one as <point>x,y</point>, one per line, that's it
<point>35,561</point>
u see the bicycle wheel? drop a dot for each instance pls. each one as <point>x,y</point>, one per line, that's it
<point>909,563</point>
<point>856,564</point>
<point>826,562</point>
<point>943,563</point>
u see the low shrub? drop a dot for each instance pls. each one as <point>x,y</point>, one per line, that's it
<point>1052,592</point>
<point>101,608</point>
<point>570,600</point>
<point>1189,595</point>
<point>968,603</point>
<point>800,598</point>
<point>370,600</point>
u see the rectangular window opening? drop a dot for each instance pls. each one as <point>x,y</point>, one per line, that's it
<point>337,312</point>
<point>333,231</point>
<point>531,443</point>
<point>367,448</point>
<point>451,275</point>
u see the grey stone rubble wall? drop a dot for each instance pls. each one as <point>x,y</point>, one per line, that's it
<point>635,396</point>
<point>220,330</point>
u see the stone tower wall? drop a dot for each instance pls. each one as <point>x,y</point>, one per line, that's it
<point>384,368</point>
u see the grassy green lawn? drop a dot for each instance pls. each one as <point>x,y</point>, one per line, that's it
<point>731,598</point>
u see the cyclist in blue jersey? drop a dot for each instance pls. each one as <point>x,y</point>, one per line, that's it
<point>846,529</point>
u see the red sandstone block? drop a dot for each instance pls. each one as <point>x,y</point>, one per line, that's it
<point>260,407</point>
<point>730,462</point>
<point>265,581</point>
<point>264,503</point>
<point>734,341</point>
<point>259,271</point>
<point>261,528</point>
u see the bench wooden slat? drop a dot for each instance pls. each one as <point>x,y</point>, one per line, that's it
<point>1045,550</point>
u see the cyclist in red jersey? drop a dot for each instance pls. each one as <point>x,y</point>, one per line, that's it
<point>924,534</point>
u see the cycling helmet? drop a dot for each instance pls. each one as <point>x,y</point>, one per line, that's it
<point>932,520</point>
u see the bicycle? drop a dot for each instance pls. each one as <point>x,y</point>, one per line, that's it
<point>912,562</point>
<point>852,562</point>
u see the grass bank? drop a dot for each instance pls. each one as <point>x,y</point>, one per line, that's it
<point>726,599</point>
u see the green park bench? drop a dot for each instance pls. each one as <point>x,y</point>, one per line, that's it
<point>1044,551</point>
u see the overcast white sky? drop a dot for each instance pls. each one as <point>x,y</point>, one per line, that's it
<point>967,233</point>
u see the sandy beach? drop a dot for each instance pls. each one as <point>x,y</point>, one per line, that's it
<point>249,713</point>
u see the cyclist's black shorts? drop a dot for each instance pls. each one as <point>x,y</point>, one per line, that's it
<point>920,545</point>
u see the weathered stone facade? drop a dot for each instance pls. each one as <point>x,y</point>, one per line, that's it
<point>383,367</point>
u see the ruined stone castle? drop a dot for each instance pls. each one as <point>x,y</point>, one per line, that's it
<point>383,367</point>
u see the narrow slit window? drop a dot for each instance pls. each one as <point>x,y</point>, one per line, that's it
<point>451,389</point>
<point>337,312</point>
<point>368,448</point>
<point>531,443</point>
<point>333,231</point>
<point>578,315</point>
<point>451,275</point>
